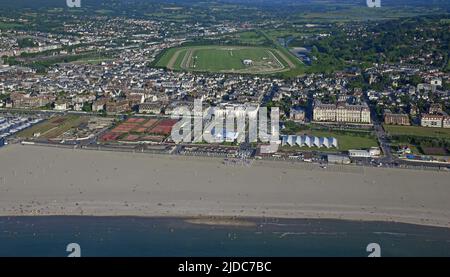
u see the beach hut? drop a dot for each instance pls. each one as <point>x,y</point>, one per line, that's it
<point>284,139</point>
<point>316,142</point>
<point>333,142</point>
<point>292,140</point>
<point>307,141</point>
<point>325,142</point>
<point>299,141</point>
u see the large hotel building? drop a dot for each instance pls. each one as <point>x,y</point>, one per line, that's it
<point>395,118</point>
<point>341,112</point>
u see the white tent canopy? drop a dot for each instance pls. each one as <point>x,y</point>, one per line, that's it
<point>309,141</point>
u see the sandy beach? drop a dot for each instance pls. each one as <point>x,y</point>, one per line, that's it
<point>36,180</point>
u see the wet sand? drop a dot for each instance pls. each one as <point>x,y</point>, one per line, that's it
<point>36,180</point>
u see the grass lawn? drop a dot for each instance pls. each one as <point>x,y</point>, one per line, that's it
<point>287,148</point>
<point>414,149</point>
<point>250,37</point>
<point>348,141</point>
<point>165,58</point>
<point>417,131</point>
<point>93,60</point>
<point>297,67</point>
<point>220,59</point>
<point>7,25</point>
<point>345,141</point>
<point>226,59</point>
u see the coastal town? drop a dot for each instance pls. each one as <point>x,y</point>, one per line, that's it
<point>101,83</point>
<point>224,127</point>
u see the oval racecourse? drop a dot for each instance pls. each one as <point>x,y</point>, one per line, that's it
<point>226,59</point>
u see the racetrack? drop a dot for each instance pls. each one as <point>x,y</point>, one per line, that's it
<point>229,59</point>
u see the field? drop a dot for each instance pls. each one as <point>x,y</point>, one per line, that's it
<point>248,38</point>
<point>417,131</point>
<point>137,129</point>
<point>226,59</point>
<point>93,60</point>
<point>346,12</point>
<point>7,25</point>
<point>346,141</point>
<point>53,127</point>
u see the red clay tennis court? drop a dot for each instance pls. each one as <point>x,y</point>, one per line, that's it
<point>110,136</point>
<point>135,120</point>
<point>149,123</point>
<point>164,127</point>
<point>131,138</point>
<point>140,129</point>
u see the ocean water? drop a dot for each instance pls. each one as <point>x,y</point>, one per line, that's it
<point>136,236</point>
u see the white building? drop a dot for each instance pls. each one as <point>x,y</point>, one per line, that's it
<point>359,153</point>
<point>341,113</point>
<point>446,122</point>
<point>436,82</point>
<point>60,106</point>
<point>223,135</point>
<point>297,114</point>
<point>432,120</point>
<point>338,159</point>
<point>375,152</point>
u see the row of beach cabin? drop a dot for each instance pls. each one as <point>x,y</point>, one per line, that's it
<point>309,141</point>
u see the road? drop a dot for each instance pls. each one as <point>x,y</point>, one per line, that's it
<point>383,140</point>
<point>384,144</point>
<point>269,95</point>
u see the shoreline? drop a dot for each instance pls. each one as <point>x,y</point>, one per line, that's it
<point>241,221</point>
<point>228,221</point>
<point>42,181</point>
<point>225,221</point>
